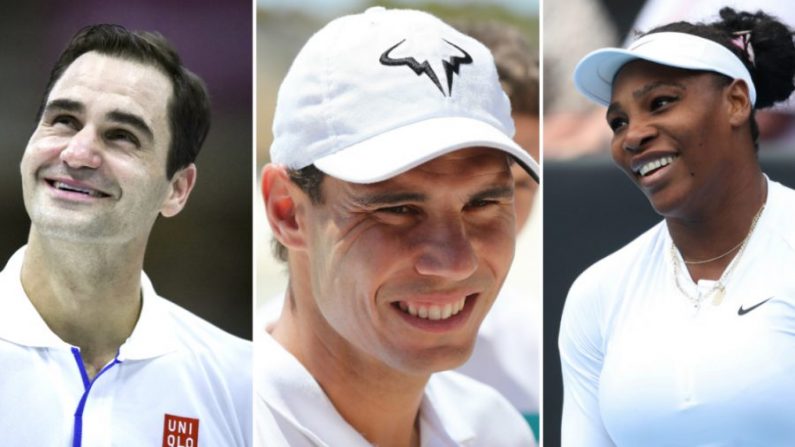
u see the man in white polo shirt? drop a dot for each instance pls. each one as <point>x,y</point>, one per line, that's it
<point>391,197</point>
<point>90,355</point>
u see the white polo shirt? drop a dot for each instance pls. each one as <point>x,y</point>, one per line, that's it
<point>292,410</point>
<point>177,381</point>
<point>642,366</point>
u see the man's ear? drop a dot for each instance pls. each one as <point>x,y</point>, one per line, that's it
<point>739,101</point>
<point>283,202</point>
<point>181,184</point>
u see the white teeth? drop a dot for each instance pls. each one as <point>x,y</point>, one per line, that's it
<point>64,187</point>
<point>655,164</point>
<point>433,312</point>
<point>447,311</point>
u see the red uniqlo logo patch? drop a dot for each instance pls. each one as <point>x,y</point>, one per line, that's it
<point>180,432</point>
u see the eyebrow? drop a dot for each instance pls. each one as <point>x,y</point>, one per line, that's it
<point>654,85</point>
<point>64,104</point>
<point>497,192</point>
<point>614,106</point>
<point>117,116</point>
<point>389,198</point>
<point>132,120</point>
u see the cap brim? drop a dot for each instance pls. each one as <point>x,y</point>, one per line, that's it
<point>399,150</point>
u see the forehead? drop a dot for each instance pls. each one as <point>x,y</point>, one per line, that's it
<point>639,72</point>
<point>109,82</point>
<point>462,168</point>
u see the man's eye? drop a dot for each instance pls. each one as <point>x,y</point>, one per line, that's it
<point>481,203</point>
<point>122,135</point>
<point>66,120</point>
<point>399,210</point>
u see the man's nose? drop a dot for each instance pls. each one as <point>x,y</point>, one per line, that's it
<point>447,251</point>
<point>83,150</point>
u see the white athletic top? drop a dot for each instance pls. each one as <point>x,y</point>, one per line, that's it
<point>292,410</point>
<point>643,367</point>
<point>177,381</point>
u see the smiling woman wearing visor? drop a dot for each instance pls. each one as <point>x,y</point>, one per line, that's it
<point>686,336</point>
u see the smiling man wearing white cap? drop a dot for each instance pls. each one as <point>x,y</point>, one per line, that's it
<point>390,197</point>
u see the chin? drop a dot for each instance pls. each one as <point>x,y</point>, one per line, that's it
<point>432,360</point>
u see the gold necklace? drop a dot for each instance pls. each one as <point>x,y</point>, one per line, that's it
<point>718,289</point>
<point>705,261</point>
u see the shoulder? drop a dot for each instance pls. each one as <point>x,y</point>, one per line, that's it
<point>205,339</point>
<point>458,399</point>
<point>619,267</point>
<point>781,206</point>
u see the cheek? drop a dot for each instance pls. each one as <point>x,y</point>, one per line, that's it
<point>40,151</point>
<point>617,152</point>
<point>494,243</point>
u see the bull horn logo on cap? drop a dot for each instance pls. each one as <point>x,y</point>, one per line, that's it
<point>450,67</point>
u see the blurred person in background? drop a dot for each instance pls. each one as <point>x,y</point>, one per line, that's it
<point>88,349</point>
<point>684,336</point>
<point>506,354</point>
<point>572,125</point>
<point>390,196</point>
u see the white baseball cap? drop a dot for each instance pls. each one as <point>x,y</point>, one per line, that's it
<point>594,74</point>
<point>373,95</point>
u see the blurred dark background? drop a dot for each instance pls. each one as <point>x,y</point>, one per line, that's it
<point>200,259</point>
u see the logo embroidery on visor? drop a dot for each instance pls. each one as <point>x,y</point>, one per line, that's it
<point>450,67</point>
<point>180,431</point>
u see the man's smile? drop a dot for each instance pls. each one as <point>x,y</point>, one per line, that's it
<point>75,190</point>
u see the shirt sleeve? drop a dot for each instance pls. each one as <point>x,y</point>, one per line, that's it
<point>581,354</point>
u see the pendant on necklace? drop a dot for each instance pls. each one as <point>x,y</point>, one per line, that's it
<point>718,296</point>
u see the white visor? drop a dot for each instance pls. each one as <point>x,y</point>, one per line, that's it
<point>595,73</point>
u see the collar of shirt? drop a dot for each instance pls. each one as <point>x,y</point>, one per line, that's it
<point>290,390</point>
<point>21,324</point>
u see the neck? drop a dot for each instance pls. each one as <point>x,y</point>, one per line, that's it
<point>379,402</point>
<point>88,294</point>
<point>718,228</point>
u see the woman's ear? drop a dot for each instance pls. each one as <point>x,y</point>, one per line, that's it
<point>283,203</point>
<point>739,101</point>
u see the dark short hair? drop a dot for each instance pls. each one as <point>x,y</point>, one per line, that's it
<point>189,105</point>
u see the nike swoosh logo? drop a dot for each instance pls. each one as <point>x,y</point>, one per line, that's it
<point>742,311</point>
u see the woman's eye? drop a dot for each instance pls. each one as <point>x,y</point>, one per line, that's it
<point>616,123</point>
<point>662,101</point>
